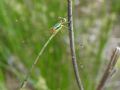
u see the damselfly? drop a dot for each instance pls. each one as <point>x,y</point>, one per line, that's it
<point>58,25</point>
<point>55,29</point>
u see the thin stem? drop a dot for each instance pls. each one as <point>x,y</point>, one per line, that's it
<point>109,69</point>
<point>36,60</point>
<point>72,46</point>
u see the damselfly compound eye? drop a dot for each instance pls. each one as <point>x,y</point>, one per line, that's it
<point>64,20</point>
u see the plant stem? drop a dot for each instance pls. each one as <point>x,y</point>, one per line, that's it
<point>109,69</point>
<point>72,46</point>
<point>36,60</point>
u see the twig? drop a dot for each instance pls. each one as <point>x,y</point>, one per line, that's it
<point>72,46</point>
<point>110,68</point>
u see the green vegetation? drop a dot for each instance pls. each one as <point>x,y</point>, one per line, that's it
<point>25,27</point>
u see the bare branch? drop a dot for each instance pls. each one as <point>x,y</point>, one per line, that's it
<point>72,46</point>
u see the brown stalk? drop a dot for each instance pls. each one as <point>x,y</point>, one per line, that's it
<point>72,46</point>
<point>110,68</point>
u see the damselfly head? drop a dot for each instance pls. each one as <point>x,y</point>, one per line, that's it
<point>62,20</point>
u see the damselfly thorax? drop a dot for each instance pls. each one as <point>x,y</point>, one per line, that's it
<point>58,25</point>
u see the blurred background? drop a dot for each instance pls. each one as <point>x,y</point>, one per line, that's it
<point>25,27</point>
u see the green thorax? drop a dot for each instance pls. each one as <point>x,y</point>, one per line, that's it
<point>57,26</point>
